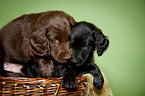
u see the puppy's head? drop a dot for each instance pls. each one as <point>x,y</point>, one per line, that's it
<point>85,37</point>
<point>51,35</point>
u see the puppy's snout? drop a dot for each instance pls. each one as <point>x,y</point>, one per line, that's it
<point>67,56</point>
<point>75,60</point>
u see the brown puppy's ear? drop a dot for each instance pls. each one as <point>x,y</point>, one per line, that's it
<point>101,42</point>
<point>39,43</point>
<point>72,21</point>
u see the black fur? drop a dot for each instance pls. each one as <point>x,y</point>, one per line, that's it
<point>85,37</point>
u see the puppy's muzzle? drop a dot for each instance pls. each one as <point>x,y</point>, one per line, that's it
<point>75,60</point>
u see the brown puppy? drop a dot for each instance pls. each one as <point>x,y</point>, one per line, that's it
<point>34,40</point>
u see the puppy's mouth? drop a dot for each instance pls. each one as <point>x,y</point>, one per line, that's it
<point>81,62</point>
<point>60,59</point>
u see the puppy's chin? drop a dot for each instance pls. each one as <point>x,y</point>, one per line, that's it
<point>60,60</point>
<point>81,62</point>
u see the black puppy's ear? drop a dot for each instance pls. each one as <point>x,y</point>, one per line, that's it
<point>101,42</point>
<point>39,43</point>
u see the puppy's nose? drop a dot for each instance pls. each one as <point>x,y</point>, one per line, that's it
<point>67,57</point>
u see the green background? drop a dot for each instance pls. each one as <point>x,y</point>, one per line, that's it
<point>123,21</point>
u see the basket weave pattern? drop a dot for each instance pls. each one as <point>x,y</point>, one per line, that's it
<point>39,86</point>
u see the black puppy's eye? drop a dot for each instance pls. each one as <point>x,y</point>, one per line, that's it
<point>85,47</point>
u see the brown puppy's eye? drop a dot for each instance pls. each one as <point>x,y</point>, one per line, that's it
<point>57,41</point>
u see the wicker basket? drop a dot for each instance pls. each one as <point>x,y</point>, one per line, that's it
<point>39,86</point>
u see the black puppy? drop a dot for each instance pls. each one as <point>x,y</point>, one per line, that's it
<point>85,37</point>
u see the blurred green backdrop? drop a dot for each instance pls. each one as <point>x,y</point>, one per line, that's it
<point>123,21</point>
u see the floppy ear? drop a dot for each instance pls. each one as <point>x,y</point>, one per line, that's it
<point>72,21</point>
<point>39,43</point>
<point>101,42</point>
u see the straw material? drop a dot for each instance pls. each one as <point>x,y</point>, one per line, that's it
<point>39,86</point>
<point>50,86</point>
<point>92,91</point>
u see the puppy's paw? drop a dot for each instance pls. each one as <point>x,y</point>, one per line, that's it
<point>98,84</point>
<point>69,81</point>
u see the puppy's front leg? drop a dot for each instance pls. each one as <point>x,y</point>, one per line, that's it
<point>68,78</point>
<point>31,70</point>
<point>98,79</point>
<point>46,67</point>
<point>92,69</point>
